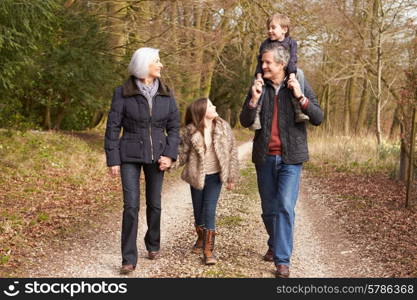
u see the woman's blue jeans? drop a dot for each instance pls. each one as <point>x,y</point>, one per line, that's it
<point>278,185</point>
<point>205,201</point>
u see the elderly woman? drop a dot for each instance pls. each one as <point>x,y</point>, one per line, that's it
<point>146,110</point>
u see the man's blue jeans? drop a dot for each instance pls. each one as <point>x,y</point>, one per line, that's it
<point>278,185</point>
<point>205,201</point>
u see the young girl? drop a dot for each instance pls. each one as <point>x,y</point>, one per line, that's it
<point>208,151</point>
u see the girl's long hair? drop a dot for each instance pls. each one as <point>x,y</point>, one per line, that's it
<point>195,114</point>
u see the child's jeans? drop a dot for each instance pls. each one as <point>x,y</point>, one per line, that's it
<point>205,201</point>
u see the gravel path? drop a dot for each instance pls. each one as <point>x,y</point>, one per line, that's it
<point>320,248</point>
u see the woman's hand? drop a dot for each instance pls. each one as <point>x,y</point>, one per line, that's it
<point>114,171</point>
<point>165,163</point>
<point>230,185</point>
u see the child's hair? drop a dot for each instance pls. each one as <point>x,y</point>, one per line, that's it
<point>282,20</point>
<point>195,114</point>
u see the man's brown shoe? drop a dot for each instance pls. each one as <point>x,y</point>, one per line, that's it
<point>153,254</point>
<point>269,255</point>
<point>282,271</point>
<point>126,269</point>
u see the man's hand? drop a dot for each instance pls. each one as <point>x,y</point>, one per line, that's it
<point>164,163</point>
<point>230,185</point>
<point>294,85</point>
<point>259,77</point>
<point>114,171</point>
<point>256,92</point>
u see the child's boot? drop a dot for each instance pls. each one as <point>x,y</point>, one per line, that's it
<point>300,117</point>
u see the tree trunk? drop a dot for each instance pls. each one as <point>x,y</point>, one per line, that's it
<point>102,123</point>
<point>379,93</point>
<point>61,113</point>
<point>116,11</point>
<point>60,116</point>
<point>327,123</point>
<point>402,172</point>
<point>228,115</point>
<point>322,101</point>
<point>206,78</point>
<point>363,106</point>
<point>96,119</point>
<point>411,158</point>
<point>395,122</point>
<point>352,94</point>
<point>346,116</point>
<point>378,54</point>
<point>47,117</point>
<point>198,53</point>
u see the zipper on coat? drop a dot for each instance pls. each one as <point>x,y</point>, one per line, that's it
<point>150,126</point>
<point>150,123</point>
<point>150,135</point>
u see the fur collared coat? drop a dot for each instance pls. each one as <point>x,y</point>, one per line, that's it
<point>192,152</point>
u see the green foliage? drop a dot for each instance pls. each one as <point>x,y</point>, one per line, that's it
<point>20,31</point>
<point>57,69</point>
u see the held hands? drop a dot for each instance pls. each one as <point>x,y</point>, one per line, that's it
<point>164,163</point>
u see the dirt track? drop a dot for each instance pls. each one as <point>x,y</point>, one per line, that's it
<point>320,247</point>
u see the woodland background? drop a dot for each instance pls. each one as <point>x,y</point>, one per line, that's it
<point>61,59</point>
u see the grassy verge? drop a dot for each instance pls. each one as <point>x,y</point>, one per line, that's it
<point>54,184</point>
<point>355,154</point>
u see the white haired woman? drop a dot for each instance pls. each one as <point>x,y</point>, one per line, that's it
<point>147,111</point>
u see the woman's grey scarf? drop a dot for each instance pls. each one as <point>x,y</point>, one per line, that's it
<point>149,91</point>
